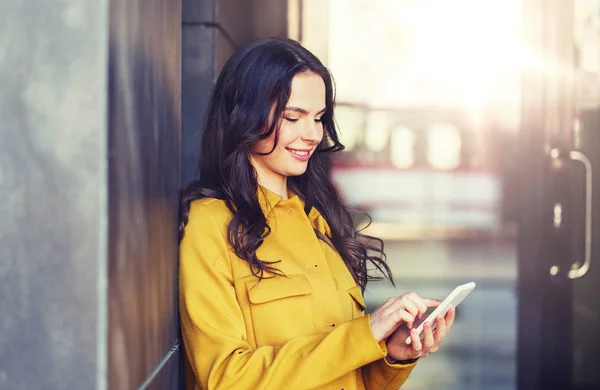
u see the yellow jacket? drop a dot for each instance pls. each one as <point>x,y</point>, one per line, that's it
<point>306,331</point>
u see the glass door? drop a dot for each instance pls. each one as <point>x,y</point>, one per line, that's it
<point>472,133</point>
<point>559,277</point>
<point>429,106</point>
<point>586,142</point>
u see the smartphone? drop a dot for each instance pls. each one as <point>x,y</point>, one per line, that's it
<point>453,299</point>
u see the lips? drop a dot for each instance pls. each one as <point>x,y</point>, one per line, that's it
<point>302,155</point>
<point>299,152</point>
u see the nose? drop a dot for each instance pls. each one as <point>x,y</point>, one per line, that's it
<point>313,132</point>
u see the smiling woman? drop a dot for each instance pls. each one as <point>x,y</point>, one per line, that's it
<point>300,132</point>
<point>271,267</point>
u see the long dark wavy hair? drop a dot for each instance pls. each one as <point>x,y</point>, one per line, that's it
<point>255,79</point>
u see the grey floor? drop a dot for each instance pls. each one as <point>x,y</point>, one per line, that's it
<point>479,352</point>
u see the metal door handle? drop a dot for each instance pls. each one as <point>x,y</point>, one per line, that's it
<point>582,158</point>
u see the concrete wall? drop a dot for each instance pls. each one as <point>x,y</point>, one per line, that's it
<point>89,170</point>
<point>53,194</point>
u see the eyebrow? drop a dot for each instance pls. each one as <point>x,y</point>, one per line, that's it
<point>303,111</point>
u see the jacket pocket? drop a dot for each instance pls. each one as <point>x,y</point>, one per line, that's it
<point>358,301</point>
<point>280,308</point>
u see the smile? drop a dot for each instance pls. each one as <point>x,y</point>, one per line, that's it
<point>299,153</point>
<point>302,155</point>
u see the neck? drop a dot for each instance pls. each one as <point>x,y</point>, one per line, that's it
<point>279,187</point>
<point>272,181</point>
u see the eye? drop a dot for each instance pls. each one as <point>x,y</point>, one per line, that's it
<point>291,119</point>
<point>318,120</point>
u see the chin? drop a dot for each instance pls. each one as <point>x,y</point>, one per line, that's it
<point>296,172</point>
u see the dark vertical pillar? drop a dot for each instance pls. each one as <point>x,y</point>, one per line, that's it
<point>53,185</point>
<point>586,290</point>
<point>144,174</point>
<point>212,29</point>
<point>199,72</point>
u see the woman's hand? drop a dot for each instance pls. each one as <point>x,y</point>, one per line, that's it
<point>398,349</point>
<point>396,311</point>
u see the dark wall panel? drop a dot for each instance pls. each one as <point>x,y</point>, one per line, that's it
<point>52,194</point>
<point>206,24</point>
<point>144,175</point>
<point>199,11</point>
<point>586,310</point>
<point>199,72</point>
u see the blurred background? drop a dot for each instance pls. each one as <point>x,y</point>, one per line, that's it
<point>429,105</point>
<point>472,134</point>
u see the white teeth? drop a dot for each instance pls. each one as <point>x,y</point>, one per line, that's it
<point>299,152</point>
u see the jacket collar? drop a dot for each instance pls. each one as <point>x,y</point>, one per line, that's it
<point>269,201</point>
<point>273,204</point>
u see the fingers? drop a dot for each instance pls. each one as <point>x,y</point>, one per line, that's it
<point>400,306</point>
<point>450,316</point>
<point>412,308</point>
<point>418,302</point>
<point>412,302</point>
<point>403,315</point>
<point>440,333</point>
<point>388,303</point>
<point>431,302</point>
<point>395,311</point>
<point>416,344</point>
<point>433,333</point>
<point>428,339</point>
<point>386,319</point>
<point>443,324</point>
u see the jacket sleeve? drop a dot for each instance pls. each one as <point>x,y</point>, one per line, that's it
<point>381,375</point>
<point>214,333</point>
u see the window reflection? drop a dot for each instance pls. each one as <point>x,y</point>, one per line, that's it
<point>377,133</point>
<point>444,145</point>
<point>447,76</point>
<point>349,121</point>
<point>402,144</point>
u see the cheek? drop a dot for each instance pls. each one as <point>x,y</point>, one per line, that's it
<point>288,133</point>
<point>262,147</point>
<point>322,132</point>
<point>266,146</point>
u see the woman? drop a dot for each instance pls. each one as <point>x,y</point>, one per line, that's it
<point>271,268</point>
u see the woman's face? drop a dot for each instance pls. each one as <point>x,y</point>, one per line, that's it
<point>300,132</point>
